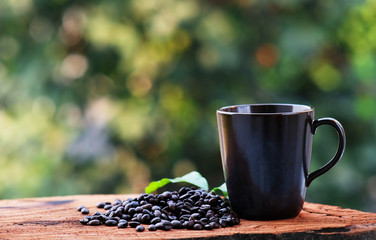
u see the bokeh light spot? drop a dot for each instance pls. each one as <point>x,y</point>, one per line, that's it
<point>325,76</point>
<point>267,55</point>
<point>73,66</point>
<point>139,84</point>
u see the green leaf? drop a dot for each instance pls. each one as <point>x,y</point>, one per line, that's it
<point>222,188</point>
<point>193,178</point>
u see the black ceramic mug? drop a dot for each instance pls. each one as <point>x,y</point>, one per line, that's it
<point>266,154</point>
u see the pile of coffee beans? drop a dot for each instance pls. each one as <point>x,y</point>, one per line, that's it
<point>188,208</point>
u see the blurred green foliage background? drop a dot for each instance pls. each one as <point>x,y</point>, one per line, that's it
<point>104,96</point>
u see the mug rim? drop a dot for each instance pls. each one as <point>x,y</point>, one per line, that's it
<point>222,109</point>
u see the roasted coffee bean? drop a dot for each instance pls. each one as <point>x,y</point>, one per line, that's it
<point>119,211</point>
<point>208,227</point>
<point>147,206</point>
<point>159,225</point>
<point>133,224</point>
<point>187,195</point>
<point>104,218</point>
<point>134,204</point>
<point>174,197</point>
<point>153,200</point>
<point>117,202</point>
<point>188,224</point>
<point>215,225</point>
<point>139,209</point>
<point>223,223</point>
<point>101,205</point>
<point>110,223</point>
<point>157,213</point>
<point>230,222</point>
<point>140,228</point>
<point>145,218</point>
<point>155,220</point>
<point>131,211</point>
<point>84,210</point>
<point>94,222</point>
<point>152,227</point>
<point>138,217</point>
<point>171,205</point>
<point>79,208</point>
<point>122,224</point>
<point>83,221</point>
<point>176,224</point>
<point>205,207</point>
<point>167,227</point>
<point>107,207</point>
<point>197,226</point>
<point>88,218</point>
<point>145,211</point>
<point>156,208</point>
<point>195,215</point>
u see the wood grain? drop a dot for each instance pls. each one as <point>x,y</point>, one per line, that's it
<point>57,218</point>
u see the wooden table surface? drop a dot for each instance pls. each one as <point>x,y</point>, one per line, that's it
<point>57,218</point>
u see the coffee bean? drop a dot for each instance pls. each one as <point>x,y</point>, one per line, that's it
<point>83,221</point>
<point>195,216</point>
<point>205,207</point>
<point>188,224</point>
<point>147,212</point>
<point>176,224</point>
<point>133,224</point>
<point>208,227</point>
<point>157,213</point>
<point>156,208</point>
<point>110,223</point>
<point>140,228</point>
<point>215,225</point>
<point>139,209</point>
<point>166,194</point>
<point>147,206</point>
<point>171,205</point>
<point>104,218</point>
<point>223,223</point>
<point>134,204</point>
<point>197,226</point>
<point>80,207</point>
<point>152,227</point>
<point>100,205</point>
<point>122,224</point>
<point>118,202</point>
<point>155,220</point>
<point>94,222</point>
<point>145,218</point>
<point>107,207</point>
<point>159,225</point>
<point>131,211</point>
<point>84,210</point>
<point>167,227</point>
<point>119,211</point>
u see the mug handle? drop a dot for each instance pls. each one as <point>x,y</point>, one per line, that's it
<point>341,147</point>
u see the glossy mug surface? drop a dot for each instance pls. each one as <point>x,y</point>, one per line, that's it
<point>266,154</point>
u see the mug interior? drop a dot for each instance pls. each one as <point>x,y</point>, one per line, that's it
<point>266,109</point>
